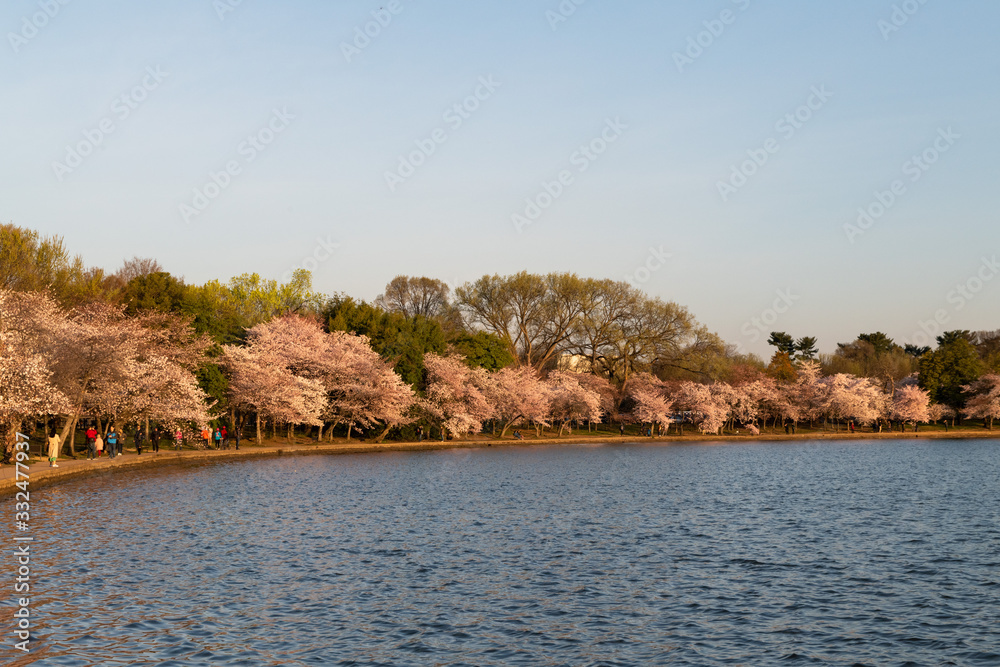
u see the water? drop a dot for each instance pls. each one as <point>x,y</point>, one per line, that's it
<point>877,553</point>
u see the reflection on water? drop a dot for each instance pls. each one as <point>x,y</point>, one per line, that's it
<point>829,553</point>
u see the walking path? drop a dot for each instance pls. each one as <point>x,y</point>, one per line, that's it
<point>40,474</point>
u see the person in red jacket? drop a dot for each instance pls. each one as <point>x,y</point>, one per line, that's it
<point>91,443</point>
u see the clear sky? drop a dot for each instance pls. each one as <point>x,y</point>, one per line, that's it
<point>726,145</point>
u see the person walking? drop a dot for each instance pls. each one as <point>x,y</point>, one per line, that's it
<point>99,444</point>
<point>55,444</point>
<point>91,444</point>
<point>225,437</point>
<point>218,439</point>
<point>112,442</point>
<point>155,439</point>
<point>138,439</point>
<point>236,437</point>
<point>178,439</point>
<point>206,435</point>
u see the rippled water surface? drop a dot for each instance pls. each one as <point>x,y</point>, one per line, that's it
<point>878,553</point>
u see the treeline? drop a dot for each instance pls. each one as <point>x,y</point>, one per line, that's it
<point>140,344</point>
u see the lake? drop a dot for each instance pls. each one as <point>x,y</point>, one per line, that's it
<point>860,552</point>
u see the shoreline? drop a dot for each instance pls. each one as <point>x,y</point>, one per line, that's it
<point>41,475</point>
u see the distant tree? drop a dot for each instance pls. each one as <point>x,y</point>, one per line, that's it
<point>988,346</point>
<point>482,349</point>
<point>29,261</point>
<point>949,337</point>
<point>783,342</point>
<point>944,371</point>
<point>138,267</point>
<point>881,344</point>
<point>872,355</point>
<point>400,340</point>
<point>154,291</point>
<point>534,315</point>
<point>916,351</point>
<point>781,368</point>
<point>805,348</point>
<point>411,296</point>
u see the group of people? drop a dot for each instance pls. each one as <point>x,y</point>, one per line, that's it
<point>220,436</point>
<point>112,443</point>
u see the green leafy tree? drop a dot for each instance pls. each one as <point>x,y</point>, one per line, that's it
<point>158,291</point>
<point>945,370</point>
<point>949,337</point>
<point>401,341</point>
<point>782,341</point>
<point>805,348</point>
<point>988,345</point>
<point>482,349</point>
<point>881,344</point>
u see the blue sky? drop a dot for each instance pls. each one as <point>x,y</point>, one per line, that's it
<point>670,97</point>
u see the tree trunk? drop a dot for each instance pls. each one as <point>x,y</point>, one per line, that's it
<point>381,436</point>
<point>69,429</point>
<point>349,425</point>
<point>258,428</point>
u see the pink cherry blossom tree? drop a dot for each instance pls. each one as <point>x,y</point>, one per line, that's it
<point>984,400</point>
<point>518,394</point>
<point>707,405</point>
<point>365,391</point>
<point>26,386</point>
<point>911,404</point>
<point>651,404</point>
<point>457,394</point>
<point>570,400</point>
<point>261,383</point>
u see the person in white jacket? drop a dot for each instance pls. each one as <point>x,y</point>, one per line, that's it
<point>55,444</point>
